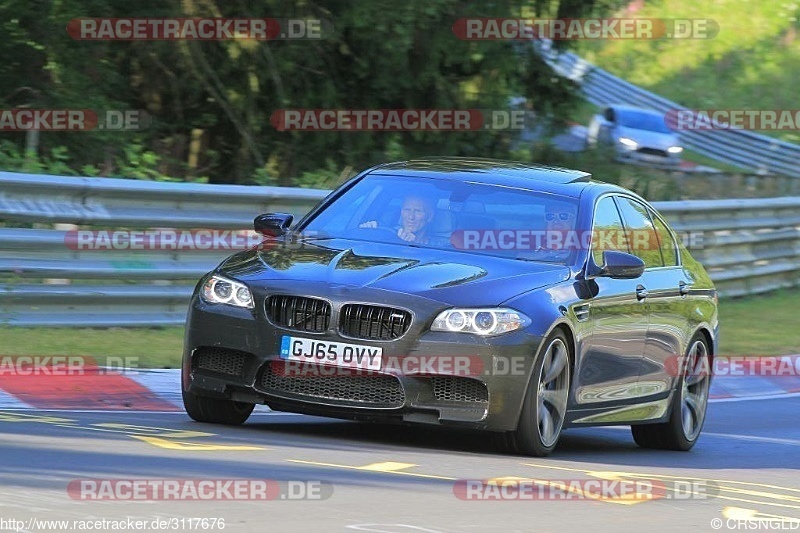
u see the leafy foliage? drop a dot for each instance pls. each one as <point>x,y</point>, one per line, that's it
<point>211,102</point>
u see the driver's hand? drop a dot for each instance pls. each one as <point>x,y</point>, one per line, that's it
<point>406,235</point>
<point>369,224</point>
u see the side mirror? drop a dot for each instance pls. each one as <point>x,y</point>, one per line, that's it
<point>621,265</point>
<point>273,224</point>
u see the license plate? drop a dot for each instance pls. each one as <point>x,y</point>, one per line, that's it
<point>331,353</point>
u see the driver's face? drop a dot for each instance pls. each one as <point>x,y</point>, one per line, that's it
<point>414,214</point>
<point>560,218</point>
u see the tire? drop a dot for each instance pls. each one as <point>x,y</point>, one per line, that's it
<point>544,407</point>
<point>689,404</point>
<point>216,410</point>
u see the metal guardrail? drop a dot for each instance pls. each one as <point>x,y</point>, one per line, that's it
<point>744,149</point>
<point>748,246</point>
<point>134,203</point>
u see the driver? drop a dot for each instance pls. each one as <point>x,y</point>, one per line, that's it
<point>559,223</point>
<point>559,217</point>
<point>416,214</point>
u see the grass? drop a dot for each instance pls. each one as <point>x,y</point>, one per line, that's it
<point>750,64</point>
<point>700,159</point>
<point>151,347</point>
<point>760,325</point>
<point>742,332</point>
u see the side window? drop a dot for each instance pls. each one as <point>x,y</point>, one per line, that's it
<point>668,247</point>
<point>607,230</point>
<point>642,236</point>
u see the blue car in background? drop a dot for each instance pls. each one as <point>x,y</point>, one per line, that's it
<point>636,135</point>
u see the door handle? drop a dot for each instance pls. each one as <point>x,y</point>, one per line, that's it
<point>641,293</point>
<point>683,288</point>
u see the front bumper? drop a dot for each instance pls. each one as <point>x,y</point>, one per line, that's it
<point>648,156</point>
<point>475,382</point>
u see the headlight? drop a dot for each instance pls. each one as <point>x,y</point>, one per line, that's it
<point>630,143</point>
<point>491,321</point>
<point>219,290</point>
<point>675,149</point>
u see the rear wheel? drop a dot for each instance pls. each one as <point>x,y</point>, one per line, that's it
<point>545,405</point>
<point>216,410</point>
<point>689,404</point>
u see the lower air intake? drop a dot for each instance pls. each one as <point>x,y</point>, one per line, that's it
<point>368,390</point>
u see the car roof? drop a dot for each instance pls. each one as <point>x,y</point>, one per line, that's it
<point>491,171</point>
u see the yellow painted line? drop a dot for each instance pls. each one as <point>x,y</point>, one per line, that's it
<point>388,466</point>
<point>156,436</point>
<point>372,468</point>
<point>6,416</point>
<point>665,476</point>
<point>762,494</point>
<point>748,483</point>
<point>739,513</point>
<point>757,502</point>
<point>610,476</point>
<point>111,427</point>
<point>129,429</point>
<point>626,500</point>
<point>736,490</point>
<point>195,446</point>
<point>551,467</point>
<point>722,484</point>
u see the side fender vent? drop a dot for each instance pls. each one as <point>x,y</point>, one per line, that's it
<point>581,312</point>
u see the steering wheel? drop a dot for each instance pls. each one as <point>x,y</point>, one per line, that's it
<point>384,230</point>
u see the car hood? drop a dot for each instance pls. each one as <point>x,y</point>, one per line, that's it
<point>649,139</point>
<point>458,278</point>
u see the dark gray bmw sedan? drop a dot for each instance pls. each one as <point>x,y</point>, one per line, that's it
<point>501,296</point>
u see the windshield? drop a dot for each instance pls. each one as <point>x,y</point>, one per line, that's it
<point>451,215</point>
<point>641,120</point>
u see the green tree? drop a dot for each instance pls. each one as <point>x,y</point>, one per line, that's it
<point>211,102</point>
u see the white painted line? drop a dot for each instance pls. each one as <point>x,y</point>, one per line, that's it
<point>9,401</point>
<point>390,528</point>
<point>740,387</point>
<point>753,438</point>
<point>756,398</point>
<point>136,412</point>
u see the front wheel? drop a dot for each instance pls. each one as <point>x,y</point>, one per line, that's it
<point>216,410</point>
<point>545,406</point>
<point>689,404</point>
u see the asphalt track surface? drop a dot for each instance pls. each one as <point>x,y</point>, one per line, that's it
<point>382,478</point>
